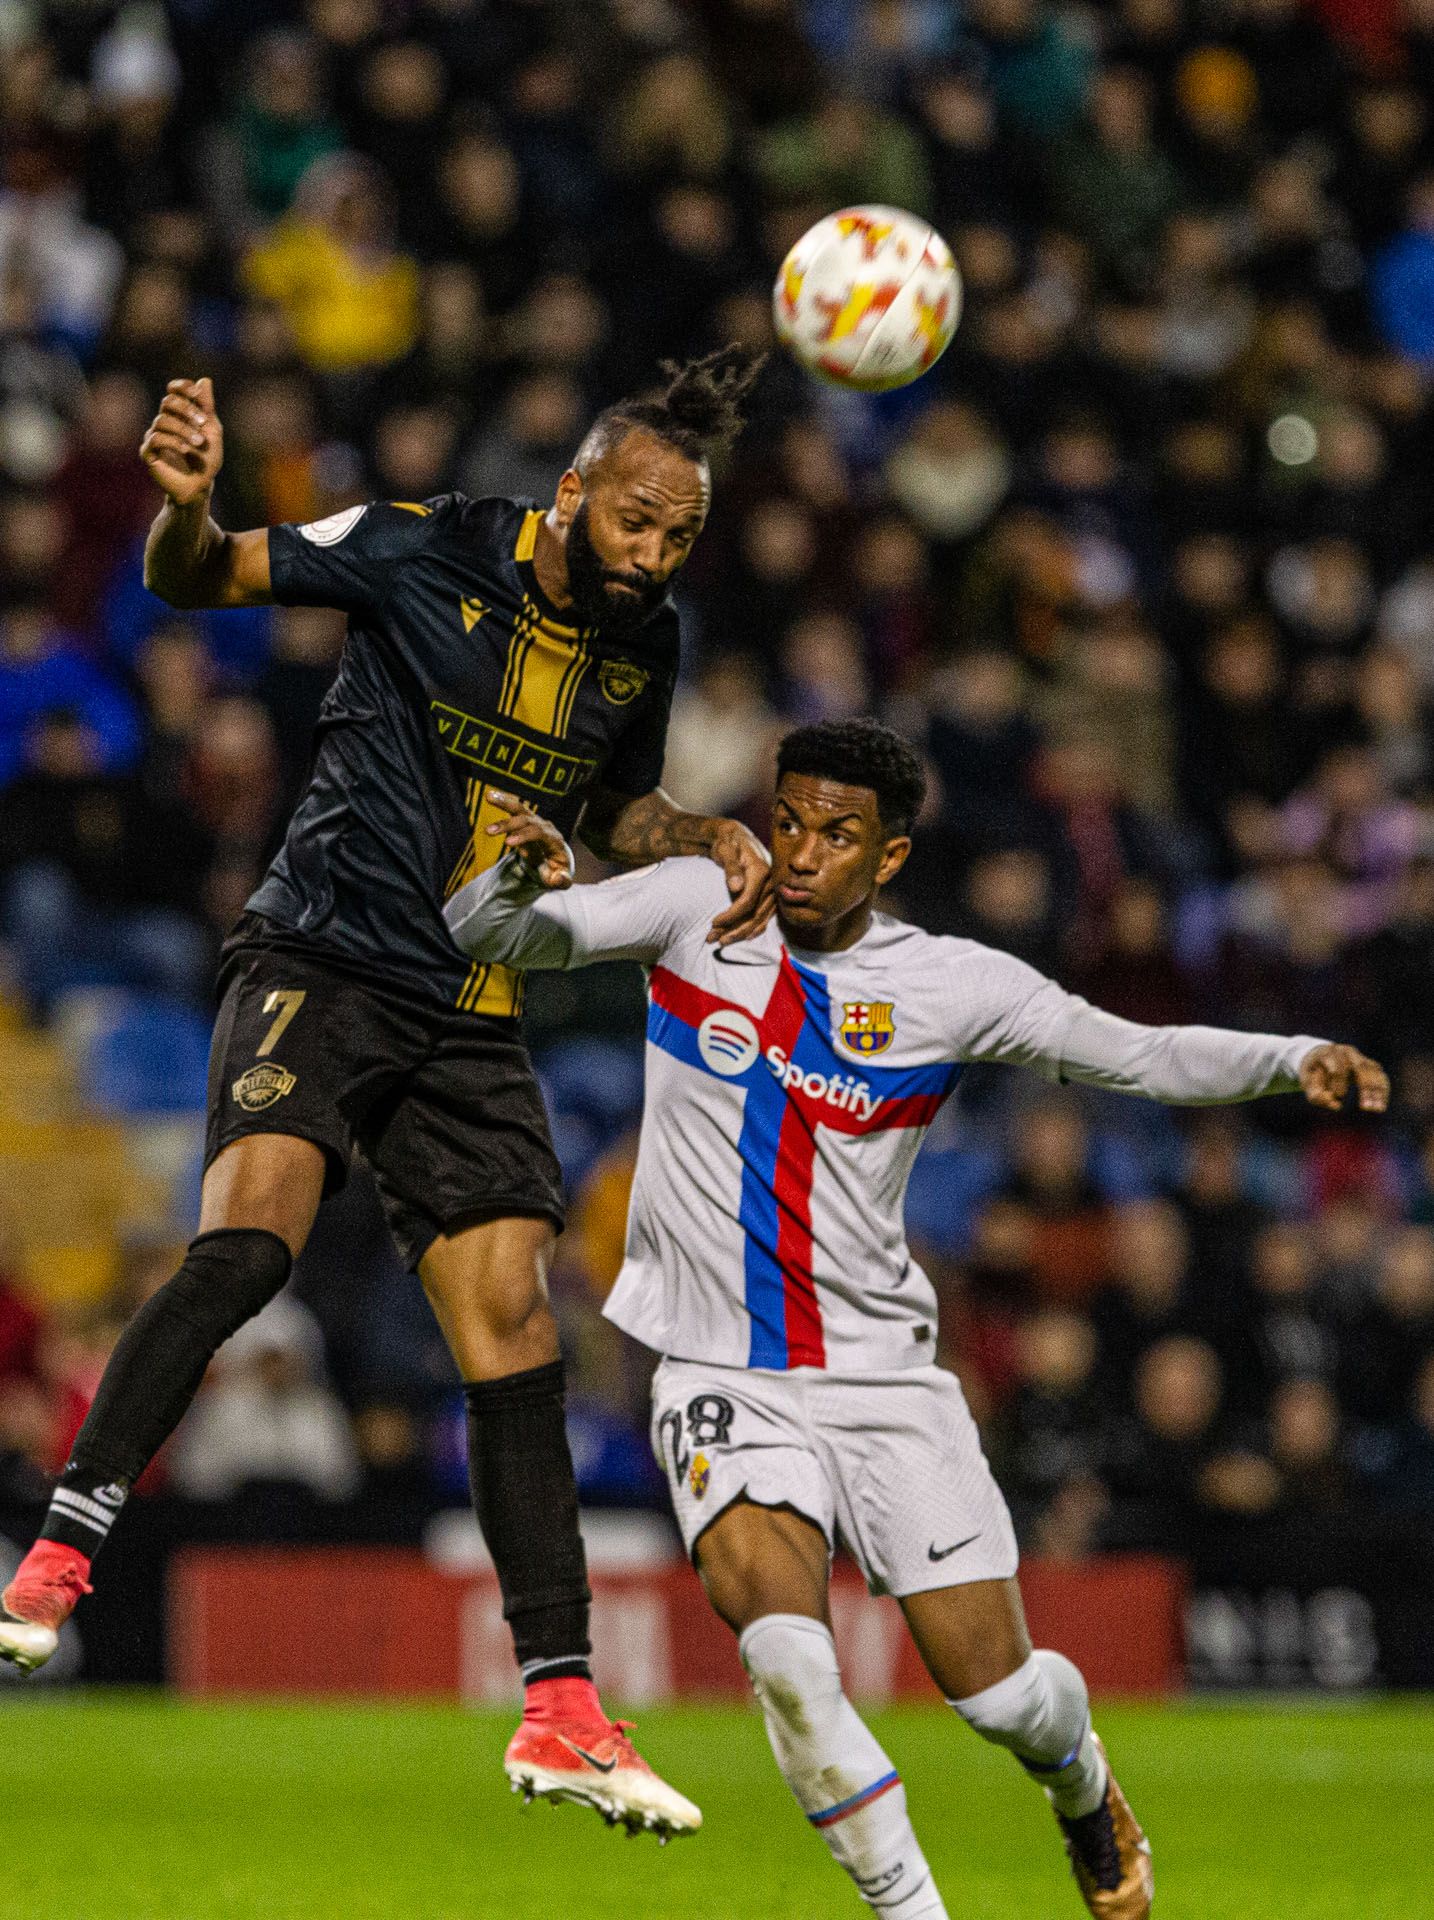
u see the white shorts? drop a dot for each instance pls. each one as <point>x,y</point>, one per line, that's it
<point>888,1464</point>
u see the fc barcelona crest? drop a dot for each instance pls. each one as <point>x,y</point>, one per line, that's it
<point>622,681</point>
<point>867,1026</point>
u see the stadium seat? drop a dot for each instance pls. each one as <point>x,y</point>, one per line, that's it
<point>151,1057</point>
<point>599,1079</point>
<point>164,1153</point>
<point>66,1186</point>
<point>37,1081</point>
<point>577,1144</point>
<point>946,1192</point>
<point>69,1276</point>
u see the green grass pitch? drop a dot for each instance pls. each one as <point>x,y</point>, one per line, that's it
<point>139,1808</point>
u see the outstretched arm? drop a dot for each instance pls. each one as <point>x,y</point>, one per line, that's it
<point>1033,1022</point>
<point>525,912</point>
<point>189,560</point>
<point>635,832</point>
<point>1209,1066</point>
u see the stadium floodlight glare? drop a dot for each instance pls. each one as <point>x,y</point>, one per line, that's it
<point>1292,440</point>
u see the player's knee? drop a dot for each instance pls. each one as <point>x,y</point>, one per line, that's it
<point>498,1309</point>
<point>750,1567</point>
<point>227,1277</point>
<point>736,1580</point>
<point>792,1664</point>
<point>1040,1711</point>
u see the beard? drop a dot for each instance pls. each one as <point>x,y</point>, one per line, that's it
<point>595,600</point>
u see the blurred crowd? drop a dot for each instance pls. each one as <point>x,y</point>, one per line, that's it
<point>1144,565</point>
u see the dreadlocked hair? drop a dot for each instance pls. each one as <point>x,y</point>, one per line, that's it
<point>699,411</point>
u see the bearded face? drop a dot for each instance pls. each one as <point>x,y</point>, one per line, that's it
<point>614,599</point>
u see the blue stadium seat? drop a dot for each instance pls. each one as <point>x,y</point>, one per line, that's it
<point>599,1080</point>
<point>577,1144</point>
<point>612,1458</point>
<point>948,1188</point>
<point>151,1057</point>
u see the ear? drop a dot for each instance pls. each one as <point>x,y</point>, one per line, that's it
<point>894,859</point>
<point>569,498</point>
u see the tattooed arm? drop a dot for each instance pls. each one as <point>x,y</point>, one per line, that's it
<point>635,832</point>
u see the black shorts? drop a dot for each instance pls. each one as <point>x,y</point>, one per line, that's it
<point>444,1106</point>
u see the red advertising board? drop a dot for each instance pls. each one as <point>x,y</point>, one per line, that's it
<point>371,1621</point>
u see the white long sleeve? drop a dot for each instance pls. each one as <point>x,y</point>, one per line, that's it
<point>998,1008</point>
<point>786,1096</point>
<point>508,917</point>
<point>1033,1022</point>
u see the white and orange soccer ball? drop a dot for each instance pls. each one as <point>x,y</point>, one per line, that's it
<point>868,298</point>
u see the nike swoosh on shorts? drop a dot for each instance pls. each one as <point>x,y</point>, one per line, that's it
<point>946,1552</point>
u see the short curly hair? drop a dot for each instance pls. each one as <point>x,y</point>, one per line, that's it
<point>860,753</point>
<point>699,411</point>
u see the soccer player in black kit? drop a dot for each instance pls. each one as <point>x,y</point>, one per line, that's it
<point>491,643</point>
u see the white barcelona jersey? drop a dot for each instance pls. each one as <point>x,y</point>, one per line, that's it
<point>787,1095</point>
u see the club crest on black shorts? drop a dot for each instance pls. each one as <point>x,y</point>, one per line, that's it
<point>261,1086</point>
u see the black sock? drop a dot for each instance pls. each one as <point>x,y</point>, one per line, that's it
<point>526,1500</point>
<point>154,1373</point>
<point>83,1508</point>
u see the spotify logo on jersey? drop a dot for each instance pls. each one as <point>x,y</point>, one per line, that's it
<point>727,1042</point>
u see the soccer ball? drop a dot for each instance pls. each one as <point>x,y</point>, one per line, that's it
<point>868,298</point>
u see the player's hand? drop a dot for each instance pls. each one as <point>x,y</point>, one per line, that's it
<point>748,867</point>
<point>535,840</point>
<point>1327,1072</point>
<point>184,448</point>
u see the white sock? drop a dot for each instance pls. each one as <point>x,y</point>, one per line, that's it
<point>1042,1713</point>
<point>843,1781</point>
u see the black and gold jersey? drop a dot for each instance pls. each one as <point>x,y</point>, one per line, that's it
<point>457,676</point>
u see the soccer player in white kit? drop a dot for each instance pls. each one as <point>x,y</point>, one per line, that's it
<point>790,1079</point>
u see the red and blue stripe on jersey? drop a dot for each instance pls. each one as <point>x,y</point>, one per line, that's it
<point>778,1139</point>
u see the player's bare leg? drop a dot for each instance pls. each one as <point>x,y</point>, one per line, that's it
<point>765,1570</point>
<point>259,1201</point>
<point>488,1288</point>
<point>974,1641</point>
